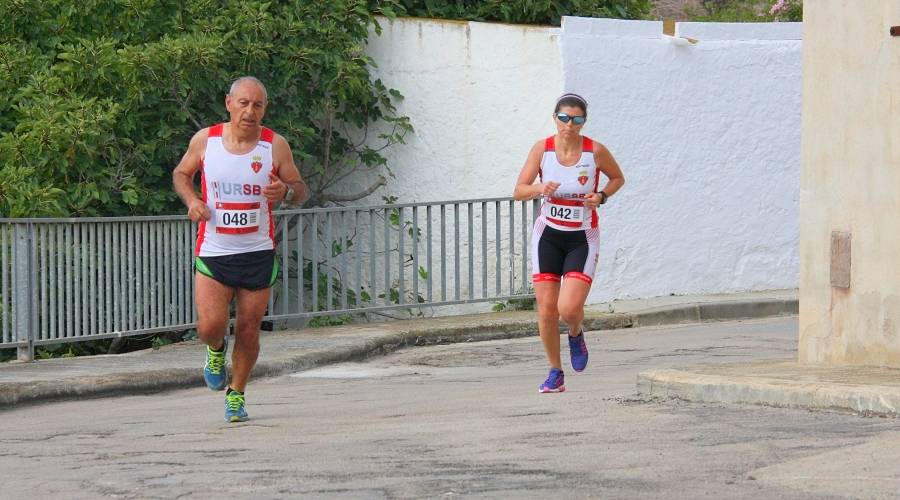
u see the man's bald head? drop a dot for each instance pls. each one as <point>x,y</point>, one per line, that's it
<point>246,103</point>
<point>248,80</point>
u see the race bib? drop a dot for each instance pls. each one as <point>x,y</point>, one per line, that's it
<point>565,213</point>
<point>237,218</point>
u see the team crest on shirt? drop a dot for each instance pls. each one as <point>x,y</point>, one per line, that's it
<point>257,164</point>
<point>582,177</point>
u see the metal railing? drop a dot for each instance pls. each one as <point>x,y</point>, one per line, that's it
<point>64,280</point>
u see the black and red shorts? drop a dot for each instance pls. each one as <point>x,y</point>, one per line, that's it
<point>570,254</point>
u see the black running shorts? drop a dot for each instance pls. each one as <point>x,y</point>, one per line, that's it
<point>251,270</point>
<point>557,254</point>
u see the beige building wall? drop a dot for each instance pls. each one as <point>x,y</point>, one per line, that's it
<point>850,181</point>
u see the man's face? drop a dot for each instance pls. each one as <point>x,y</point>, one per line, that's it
<point>247,105</point>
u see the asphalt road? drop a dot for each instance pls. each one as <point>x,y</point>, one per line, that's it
<point>461,420</point>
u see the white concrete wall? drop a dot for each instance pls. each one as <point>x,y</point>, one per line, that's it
<point>477,96</point>
<point>707,135</point>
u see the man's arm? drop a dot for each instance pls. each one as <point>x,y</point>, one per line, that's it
<point>288,175</point>
<point>183,177</point>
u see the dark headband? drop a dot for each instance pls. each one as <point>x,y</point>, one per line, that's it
<point>572,96</point>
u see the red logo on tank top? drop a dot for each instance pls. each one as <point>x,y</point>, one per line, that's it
<point>257,164</point>
<point>582,177</point>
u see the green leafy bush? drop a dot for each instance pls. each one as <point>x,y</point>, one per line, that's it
<point>525,11</point>
<point>747,11</point>
<point>102,96</point>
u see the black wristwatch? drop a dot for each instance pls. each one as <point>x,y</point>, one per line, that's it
<point>603,197</point>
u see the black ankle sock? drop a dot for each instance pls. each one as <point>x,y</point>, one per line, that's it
<point>230,390</point>
<point>220,349</point>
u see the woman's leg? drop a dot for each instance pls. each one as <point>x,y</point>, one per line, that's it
<point>578,272</point>
<point>546,265</point>
<point>572,294</point>
<point>547,294</point>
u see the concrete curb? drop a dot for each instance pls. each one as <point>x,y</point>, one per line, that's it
<point>144,381</point>
<point>682,384</point>
<point>716,311</point>
<point>89,387</point>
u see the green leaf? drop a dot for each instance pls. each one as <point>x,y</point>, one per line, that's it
<point>130,197</point>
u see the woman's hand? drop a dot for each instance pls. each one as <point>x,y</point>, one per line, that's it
<point>592,200</point>
<point>548,189</point>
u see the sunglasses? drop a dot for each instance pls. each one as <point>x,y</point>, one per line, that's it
<point>577,120</point>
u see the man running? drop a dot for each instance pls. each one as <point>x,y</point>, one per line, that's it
<point>245,169</point>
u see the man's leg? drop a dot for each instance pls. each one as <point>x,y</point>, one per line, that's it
<point>212,300</point>
<point>251,307</point>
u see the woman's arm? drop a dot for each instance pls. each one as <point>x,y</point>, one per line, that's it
<point>610,168</point>
<point>526,189</point>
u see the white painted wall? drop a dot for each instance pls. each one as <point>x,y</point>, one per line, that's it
<point>477,96</point>
<point>708,137</point>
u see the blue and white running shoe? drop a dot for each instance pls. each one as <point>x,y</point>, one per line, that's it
<point>215,372</point>
<point>234,407</point>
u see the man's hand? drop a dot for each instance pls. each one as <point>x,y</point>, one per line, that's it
<point>198,210</point>
<point>276,189</point>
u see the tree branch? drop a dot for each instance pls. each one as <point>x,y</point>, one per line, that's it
<point>329,126</point>
<point>325,197</point>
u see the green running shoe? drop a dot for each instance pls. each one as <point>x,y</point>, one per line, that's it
<point>215,373</point>
<point>234,407</point>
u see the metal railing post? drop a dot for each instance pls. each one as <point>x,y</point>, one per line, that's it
<point>23,293</point>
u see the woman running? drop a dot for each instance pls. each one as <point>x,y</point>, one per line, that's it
<point>566,236</point>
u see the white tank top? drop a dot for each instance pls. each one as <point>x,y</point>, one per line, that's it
<point>565,209</point>
<point>241,217</point>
